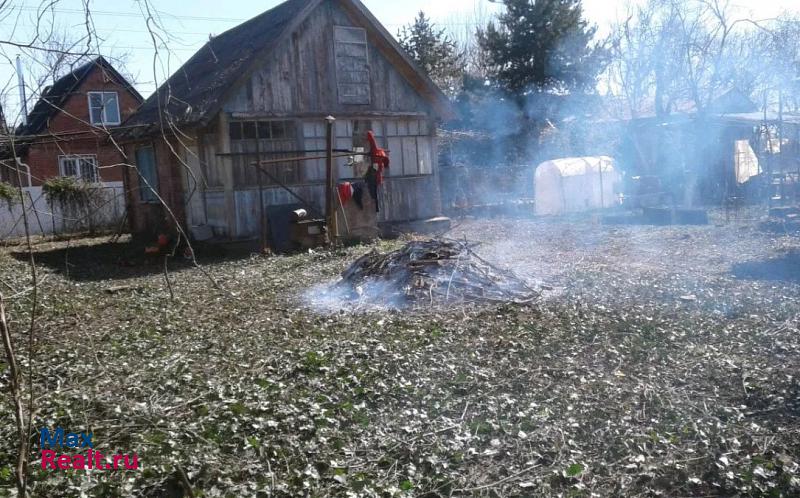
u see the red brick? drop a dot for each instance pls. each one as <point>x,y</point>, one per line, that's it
<point>74,117</point>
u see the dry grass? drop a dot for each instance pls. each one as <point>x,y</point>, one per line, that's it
<point>664,361</point>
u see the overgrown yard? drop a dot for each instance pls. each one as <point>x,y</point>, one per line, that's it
<point>665,360</point>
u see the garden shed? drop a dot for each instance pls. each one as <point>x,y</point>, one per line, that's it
<point>575,184</point>
<point>262,92</point>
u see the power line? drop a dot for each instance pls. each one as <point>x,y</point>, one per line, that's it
<point>151,49</point>
<point>140,31</point>
<point>177,17</point>
<point>129,14</point>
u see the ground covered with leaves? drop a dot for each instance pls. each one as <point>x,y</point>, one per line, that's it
<point>660,361</point>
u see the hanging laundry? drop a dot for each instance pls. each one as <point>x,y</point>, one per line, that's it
<point>380,158</point>
<point>345,192</point>
<point>373,180</point>
<point>358,195</point>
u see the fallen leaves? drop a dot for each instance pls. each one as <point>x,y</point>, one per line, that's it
<point>611,385</point>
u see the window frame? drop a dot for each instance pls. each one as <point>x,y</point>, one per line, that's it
<point>103,115</point>
<point>270,134</point>
<point>343,98</point>
<point>150,187</point>
<point>62,159</point>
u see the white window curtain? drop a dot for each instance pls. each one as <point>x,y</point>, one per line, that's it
<point>104,108</point>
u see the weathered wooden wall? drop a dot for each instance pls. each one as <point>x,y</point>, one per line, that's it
<point>410,190</point>
<point>299,76</point>
<point>296,86</point>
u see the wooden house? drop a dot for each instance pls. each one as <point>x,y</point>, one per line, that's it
<point>261,91</point>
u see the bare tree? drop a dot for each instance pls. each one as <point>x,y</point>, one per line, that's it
<point>462,28</point>
<point>666,51</point>
<point>646,57</point>
<point>55,53</point>
<point>776,69</point>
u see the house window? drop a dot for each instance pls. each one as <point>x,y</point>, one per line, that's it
<point>104,108</point>
<point>352,65</point>
<point>148,174</point>
<point>411,147</point>
<point>83,167</point>
<point>267,140</point>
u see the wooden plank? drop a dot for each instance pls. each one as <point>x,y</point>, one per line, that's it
<point>299,74</point>
<point>315,115</point>
<point>425,155</point>
<point>396,156</point>
<point>410,162</point>
<point>315,170</point>
<point>391,128</point>
<point>402,127</point>
<point>344,129</point>
<point>193,186</point>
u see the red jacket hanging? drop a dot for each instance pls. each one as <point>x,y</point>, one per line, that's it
<point>379,156</point>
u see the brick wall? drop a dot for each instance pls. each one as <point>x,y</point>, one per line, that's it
<point>147,219</point>
<point>43,158</point>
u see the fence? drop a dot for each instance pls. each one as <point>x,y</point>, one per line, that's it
<point>106,212</point>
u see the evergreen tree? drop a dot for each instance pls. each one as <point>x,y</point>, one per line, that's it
<point>435,53</point>
<point>542,45</point>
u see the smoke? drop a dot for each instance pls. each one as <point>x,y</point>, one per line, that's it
<point>375,296</point>
<point>678,72</point>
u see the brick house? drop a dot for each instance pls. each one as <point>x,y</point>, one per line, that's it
<point>64,136</point>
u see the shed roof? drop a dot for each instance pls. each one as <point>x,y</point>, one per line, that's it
<point>730,100</point>
<point>757,118</point>
<point>195,92</point>
<point>54,96</point>
<point>577,166</point>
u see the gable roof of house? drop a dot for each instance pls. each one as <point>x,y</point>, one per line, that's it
<point>195,92</point>
<point>54,96</point>
<point>727,101</point>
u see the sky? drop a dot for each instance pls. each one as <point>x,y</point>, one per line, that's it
<point>121,26</point>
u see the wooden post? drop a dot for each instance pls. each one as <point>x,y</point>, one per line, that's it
<point>262,210</point>
<point>226,163</point>
<point>330,182</point>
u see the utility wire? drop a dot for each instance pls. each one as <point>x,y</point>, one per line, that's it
<point>176,17</point>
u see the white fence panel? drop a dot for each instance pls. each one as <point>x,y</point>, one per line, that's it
<point>105,213</point>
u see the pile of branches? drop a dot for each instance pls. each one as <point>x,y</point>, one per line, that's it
<point>432,272</point>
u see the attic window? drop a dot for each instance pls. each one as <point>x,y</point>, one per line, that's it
<point>104,108</point>
<point>352,65</point>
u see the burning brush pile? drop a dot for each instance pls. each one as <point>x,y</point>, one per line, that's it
<point>428,274</point>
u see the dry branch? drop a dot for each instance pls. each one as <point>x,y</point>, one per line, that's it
<point>16,398</point>
<point>434,271</point>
